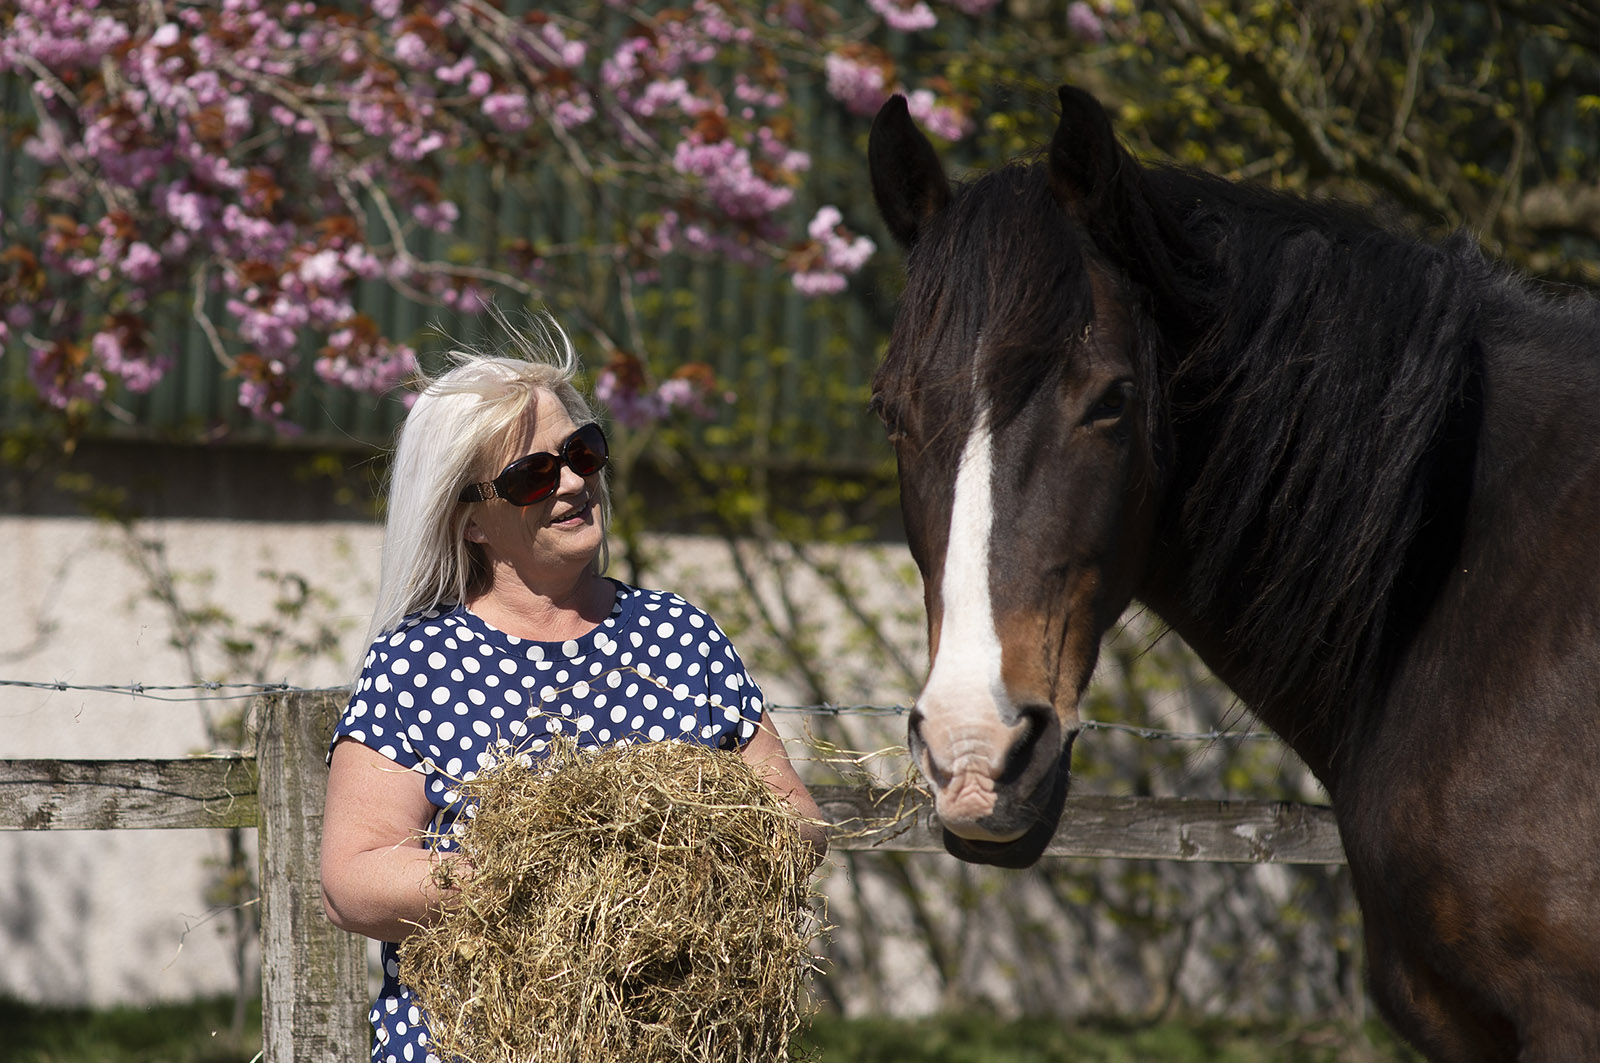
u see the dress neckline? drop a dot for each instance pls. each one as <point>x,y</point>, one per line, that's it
<point>621,607</point>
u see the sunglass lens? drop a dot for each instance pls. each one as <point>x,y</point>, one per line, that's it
<point>586,450</point>
<point>529,480</point>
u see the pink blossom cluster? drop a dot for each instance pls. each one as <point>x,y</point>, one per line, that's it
<point>63,374</point>
<point>122,349</point>
<point>265,386</point>
<point>862,77</point>
<point>907,16</point>
<point>629,408</point>
<point>648,74</point>
<point>859,78</point>
<point>570,101</point>
<point>172,137</point>
<point>264,161</point>
<point>61,37</point>
<point>1086,21</point>
<point>832,255</point>
<point>942,118</point>
<point>359,357</point>
<point>622,387</point>
<point>313,295</point>
<point>677,233</point>
<point>738,170</point>
<point>728,174</point>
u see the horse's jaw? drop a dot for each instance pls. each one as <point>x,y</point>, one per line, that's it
<point>1024,849</point>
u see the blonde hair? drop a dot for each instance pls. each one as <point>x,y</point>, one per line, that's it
<point>453,434</point>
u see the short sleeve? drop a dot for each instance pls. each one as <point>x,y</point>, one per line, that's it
<point>382,712</point>
<point>732,689</point>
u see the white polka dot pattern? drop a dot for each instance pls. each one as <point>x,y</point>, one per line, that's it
<point>445,692</point>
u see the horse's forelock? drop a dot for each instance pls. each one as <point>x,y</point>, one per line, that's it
<point>997,292</point>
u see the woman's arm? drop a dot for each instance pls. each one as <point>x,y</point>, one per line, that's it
<point>765,752</point>
<point>377,879</point>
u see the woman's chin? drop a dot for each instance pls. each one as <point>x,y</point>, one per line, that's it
<point>577,540</point>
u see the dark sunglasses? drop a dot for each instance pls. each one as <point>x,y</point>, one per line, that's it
<point>535,477</point>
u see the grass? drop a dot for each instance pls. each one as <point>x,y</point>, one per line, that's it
<point>198,1033</point>
<point>976,1038</point>
<point>162,1033</point>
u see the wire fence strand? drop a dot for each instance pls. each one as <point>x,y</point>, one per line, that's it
<point>198,692</point>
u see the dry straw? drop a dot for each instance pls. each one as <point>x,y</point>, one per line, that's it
<point>628,904</point>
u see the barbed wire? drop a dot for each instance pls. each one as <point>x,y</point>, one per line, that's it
<point>245,691</point>
<point>161,692</point>
<point>1137,730</point>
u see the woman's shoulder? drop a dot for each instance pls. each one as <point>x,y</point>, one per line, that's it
<point>423,631</point>
<point>667,614</point>
<point>424,622</point>
<point>653,600</point>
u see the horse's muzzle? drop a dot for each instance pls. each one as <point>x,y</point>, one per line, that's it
<point>1040,812</point>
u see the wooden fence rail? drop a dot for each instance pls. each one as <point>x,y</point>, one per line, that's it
<point>314,979</point>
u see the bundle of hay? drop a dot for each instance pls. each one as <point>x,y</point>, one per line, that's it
<point>627,904</point>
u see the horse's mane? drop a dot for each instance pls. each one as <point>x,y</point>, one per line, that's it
<point>1335,383</point>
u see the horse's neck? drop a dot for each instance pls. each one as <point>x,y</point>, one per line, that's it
<point>1542,402</point>
<point>1534,461</point>
<point>1206,634</point>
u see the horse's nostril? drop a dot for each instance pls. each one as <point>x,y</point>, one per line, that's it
<point>1036,720</point>
<point>921,755</point>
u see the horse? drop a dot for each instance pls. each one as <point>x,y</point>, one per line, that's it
<point>1356,470</point>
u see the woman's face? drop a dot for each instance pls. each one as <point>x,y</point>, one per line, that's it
<point>558,536</point>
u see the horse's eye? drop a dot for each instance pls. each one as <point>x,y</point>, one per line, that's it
<point>887,414</point>
<point>1114,403</point>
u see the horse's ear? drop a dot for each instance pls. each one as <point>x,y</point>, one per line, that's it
<point>907,181</point>
<point>1103,188</point>
<point>1085,159</point>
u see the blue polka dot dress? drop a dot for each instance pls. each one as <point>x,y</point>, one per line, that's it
<point>445,693</point>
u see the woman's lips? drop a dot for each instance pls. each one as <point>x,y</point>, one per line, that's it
<point>574,516</point>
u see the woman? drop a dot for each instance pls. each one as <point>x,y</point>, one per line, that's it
<point>494,631</point>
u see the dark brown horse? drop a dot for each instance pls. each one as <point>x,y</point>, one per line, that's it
<point>1357,472</point>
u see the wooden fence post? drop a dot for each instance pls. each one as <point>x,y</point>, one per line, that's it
<point>313,975</point>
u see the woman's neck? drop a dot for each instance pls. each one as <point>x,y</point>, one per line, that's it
<point>549,613</point>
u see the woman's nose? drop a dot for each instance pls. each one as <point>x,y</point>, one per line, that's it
<point>571,483</point>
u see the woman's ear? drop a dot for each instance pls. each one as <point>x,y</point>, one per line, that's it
<point>474,534</point>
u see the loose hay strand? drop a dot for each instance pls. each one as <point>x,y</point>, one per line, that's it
<point>631,903</point>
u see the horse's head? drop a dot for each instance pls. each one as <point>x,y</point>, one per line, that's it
<point>1015,396</point>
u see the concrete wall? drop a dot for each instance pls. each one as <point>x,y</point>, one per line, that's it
<point>121,916</point>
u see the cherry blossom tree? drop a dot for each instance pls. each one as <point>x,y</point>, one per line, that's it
<point>261,164</point>
<point>262,167</point>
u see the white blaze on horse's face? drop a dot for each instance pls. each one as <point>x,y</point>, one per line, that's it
<point>966,725</point>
